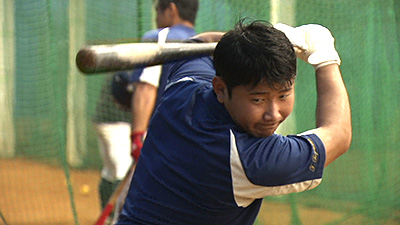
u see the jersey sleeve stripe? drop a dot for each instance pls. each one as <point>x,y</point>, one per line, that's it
<point>152,74</point>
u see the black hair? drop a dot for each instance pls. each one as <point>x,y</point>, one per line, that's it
<point>253,52</point>
<point>187,8</point>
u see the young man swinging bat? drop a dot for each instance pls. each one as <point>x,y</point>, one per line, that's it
<point>211,152</point>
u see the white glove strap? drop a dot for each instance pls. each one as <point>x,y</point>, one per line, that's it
<point>323,58</point>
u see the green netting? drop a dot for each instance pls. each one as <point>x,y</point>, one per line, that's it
<point>49,157</point>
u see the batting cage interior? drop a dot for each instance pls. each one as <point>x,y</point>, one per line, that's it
<point>49,154</point>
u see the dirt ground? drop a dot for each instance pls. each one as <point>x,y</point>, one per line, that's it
<point>34,193</point>
<point>38,194</point>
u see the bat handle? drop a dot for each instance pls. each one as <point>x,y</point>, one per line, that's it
<point>106,212</point>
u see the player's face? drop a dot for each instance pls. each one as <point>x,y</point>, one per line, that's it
<point>163,17</point>
<point>259,110</point>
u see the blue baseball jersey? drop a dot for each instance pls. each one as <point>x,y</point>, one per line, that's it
<point>176,33</point>
<point>198,167</point>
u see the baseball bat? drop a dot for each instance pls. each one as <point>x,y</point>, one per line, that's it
<point>108,209</point>
<point>3,219</point>
<point>116,57</point>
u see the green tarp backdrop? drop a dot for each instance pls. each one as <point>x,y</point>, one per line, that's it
<point>48,105</point>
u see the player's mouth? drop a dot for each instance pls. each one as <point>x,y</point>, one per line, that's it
<point>268,126</point>
<point>266,129</point>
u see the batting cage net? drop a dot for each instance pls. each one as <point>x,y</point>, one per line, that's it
<point>50,160</point>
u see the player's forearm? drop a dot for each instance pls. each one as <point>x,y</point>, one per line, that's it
<point>143,102</point>
<point>333,112</point>
<point>212,36</point>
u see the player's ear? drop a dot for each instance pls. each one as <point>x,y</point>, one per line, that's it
<point>173,9</point>
<point>220,89</point>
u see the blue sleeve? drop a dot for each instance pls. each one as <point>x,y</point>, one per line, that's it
<point>279,160</point>
<point>150,36</point>
<point>135,75</point>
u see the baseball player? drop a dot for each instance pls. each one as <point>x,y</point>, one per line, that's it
<point>211,153</point>
<point>175,21</point>
<point>112,126</point>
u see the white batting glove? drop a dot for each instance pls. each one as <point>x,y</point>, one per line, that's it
<point>312,43</point>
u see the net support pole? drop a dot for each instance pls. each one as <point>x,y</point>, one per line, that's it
<point>76,90</point>
<point>7,74</point>
<point>283,11</point>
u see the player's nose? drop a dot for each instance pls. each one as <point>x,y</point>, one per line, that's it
<point>272,112</point>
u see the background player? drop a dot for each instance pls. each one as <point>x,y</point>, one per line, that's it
<point>211,153</point>
<point>176,19</point>
<point>113,125</point>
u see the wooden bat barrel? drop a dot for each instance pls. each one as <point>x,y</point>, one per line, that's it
<point>118,57</point>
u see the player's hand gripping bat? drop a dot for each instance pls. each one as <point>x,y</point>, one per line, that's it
<point>116,57</point>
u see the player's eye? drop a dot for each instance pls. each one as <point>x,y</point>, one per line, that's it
<point>285,96</point>
<point>257,100</point>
